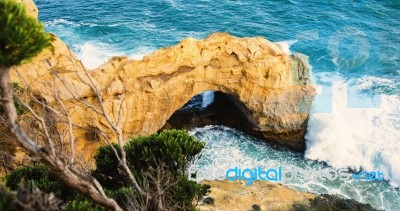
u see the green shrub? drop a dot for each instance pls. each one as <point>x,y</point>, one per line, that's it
<point>21,37</point>
<point>18,105</point>
<point>125,197</point>
<point>187,191</point>
<point>332,203</point>
<point>28,198</point>
<point>335,203</point>
<point>173,149</point>
<point>5,200</point>
<point>107,172</point>
<point>39,177</point>
<point>82,205</point>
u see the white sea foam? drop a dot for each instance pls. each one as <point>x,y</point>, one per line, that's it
<point>93,54</point>
<point>114,25</point>
<point>61,21</point>
<point>208,98</point>
<point>227,148</point>
<point>367,138</point>
<point>140,52</point>
<point>285,45</point>
<point>371,82</point>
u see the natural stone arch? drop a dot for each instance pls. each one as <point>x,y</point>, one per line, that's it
<point>273,86</point>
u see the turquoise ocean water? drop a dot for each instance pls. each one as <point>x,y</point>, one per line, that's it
<point>354,48</point>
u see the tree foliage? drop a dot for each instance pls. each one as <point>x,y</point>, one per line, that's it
<point>41,178</point>
<point>21,37</point>
<point>28,198</point>
<point>175,148</point>
<point>171,150</point>
<point>332,203</point>
<point>18,90</point>
<point>82,205</point>
<point>165,155</point>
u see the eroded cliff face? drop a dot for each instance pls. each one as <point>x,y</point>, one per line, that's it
<point>273,88</point>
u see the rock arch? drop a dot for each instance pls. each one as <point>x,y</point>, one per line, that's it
<point>274,87</point>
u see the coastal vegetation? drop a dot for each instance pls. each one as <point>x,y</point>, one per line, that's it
<point>332,203</point>
<point>158,161</point>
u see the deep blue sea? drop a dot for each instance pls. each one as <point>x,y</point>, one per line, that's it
<point>354,49</point>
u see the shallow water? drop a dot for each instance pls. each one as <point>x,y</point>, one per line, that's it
<point>227,148</point>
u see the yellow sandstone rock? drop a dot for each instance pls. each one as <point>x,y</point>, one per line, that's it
<point>272,88</point>
<point>236,196</point>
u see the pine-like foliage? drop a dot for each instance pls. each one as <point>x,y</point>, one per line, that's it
<point>173,150</point>
<point>21,37</point>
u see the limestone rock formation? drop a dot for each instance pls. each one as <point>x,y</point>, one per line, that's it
<point>271,88</point>
<point>235,195</point>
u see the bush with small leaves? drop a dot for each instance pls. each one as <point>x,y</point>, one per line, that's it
<point>169,152</point>
<point>21,37</point>
<point>18,90</point>
<point>5,198</point>
<point>18,105</point>
<point>42,179</point>
<point>175,148</point>
<point>82,205</point>
<point>107,172</point>
<point>332,203</point>
<point>187,192</point>
<point>126,197</point>
<point>28,198</point>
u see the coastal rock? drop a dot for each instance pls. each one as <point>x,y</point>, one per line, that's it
<point>270,88</point>
<point>234,195</point>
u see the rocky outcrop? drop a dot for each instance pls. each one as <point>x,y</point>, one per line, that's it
<point>263,195</point>
<point>236,195</point>
<point>270,88</point>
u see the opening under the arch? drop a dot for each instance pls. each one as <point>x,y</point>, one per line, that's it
<point>212,108</point>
